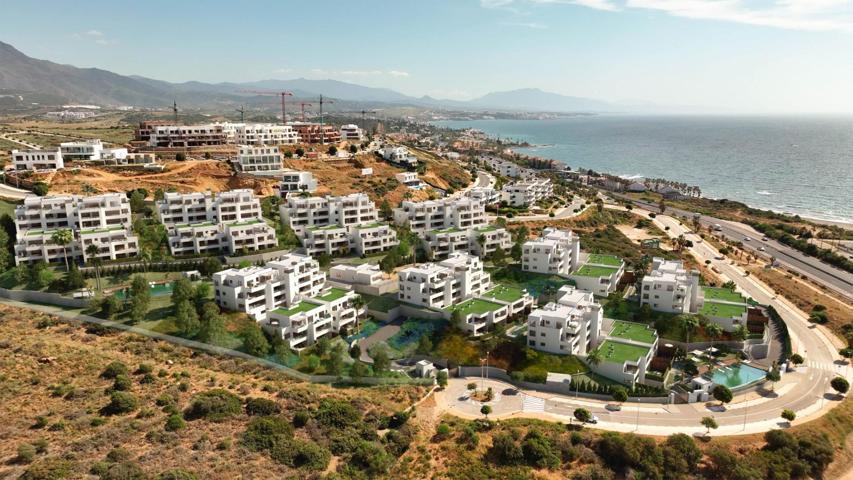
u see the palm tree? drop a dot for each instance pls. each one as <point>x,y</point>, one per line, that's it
<point>594,357</point>
<point>357,303</point>
<point>145,256</point>
<point>92,255</point>
<point>714,331</point>
<point>689,324</point>
<point>62,238</point>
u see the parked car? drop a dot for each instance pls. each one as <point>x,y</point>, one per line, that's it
<point>747,239</point>
<point>593,419</point>
<point>764,239</point>
<point>761,249</point>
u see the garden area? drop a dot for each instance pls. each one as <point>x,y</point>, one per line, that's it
<point>536,284</point>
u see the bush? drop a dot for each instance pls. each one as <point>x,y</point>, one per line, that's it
<point>505,450</point>
<point>121,403</point>
<point>336,413</point>
<point>398,419</point>
<point>264,433</point>
<point>26,453</point>
<point>539,451</point>
<point>122,383</point>
<point>175,422</point>
<point>114,369</point>
<point>300,418</point>
<point>124,471</point>
<point>261,407</point>
<point>144,369</point>
<point>301,454</point>
<point>371,458</point>
<point>48,469</point>
<point>214,405</point>
<point>177,474</point>
<point>442,431</point>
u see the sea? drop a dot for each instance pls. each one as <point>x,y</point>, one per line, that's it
<point>798,165</point>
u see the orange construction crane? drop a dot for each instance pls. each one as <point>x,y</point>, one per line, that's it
<point>303,105</point>
<point>281,94</point>
<point>322,131</point>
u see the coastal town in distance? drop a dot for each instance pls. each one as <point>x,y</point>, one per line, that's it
<point>318,279</point>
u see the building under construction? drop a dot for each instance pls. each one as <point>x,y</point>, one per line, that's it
<point>316,133</point>
<point>167,135</point>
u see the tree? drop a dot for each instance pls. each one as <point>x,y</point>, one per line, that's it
<point>5,250</point>
<point>299,151</point>
<point>846,353</point>
<point>186,318</point>
<point>773,376</point>
<point>182,290</point>
<point>709,423</point>
<point>741,333</point>
<point>74,278</point>
<point>789,415</point>
<point>594,357</point>
<point>62,238</point>
<point>385,209</point>
<point>324,260</point>
<point>619,394</point>
<point>212,325</point>
<point>424,345</point>
<point>110,307</point>
<point>582,415</point>
<point>722,394</point>
<point>381,362</point>
<point>140,298</point>
<point>137,201</point>
<point>355,352</point>
<point>797,359</point>
<point>714,331</point>
<point>689,324</point>
<point>358,370</point>
<point>471,386</point>
<point>840,385</point>
<point>516,251</point>
<point>333,150</point>
<point>209,266</point>
<point>499,256</point>
<point>40,189</point>
<point>254,341</point>
<point>441,378</point>
<point>486,410</point>
<point>353,149</point>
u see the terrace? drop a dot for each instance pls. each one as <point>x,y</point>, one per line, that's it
<point>505,293</point>
<point>722,310</point>
<point>303,306</point>
<point>595,271</point>
<point>610,260</point>
<point>618,352</point>
<point>722,294</point>
<point>637,332</point>
<point>474,306</point>
<point>101,230</point>
<point>333,294</point>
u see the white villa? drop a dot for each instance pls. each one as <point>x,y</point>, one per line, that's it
<point>399,155</point>
<point>38,159</point>
<point>257,134</point>
<point>442,284</point>
<point>599,274</point>
<point>669,287</point>
<point>260,159</point>
<point>352,133</point>
<point>485,195</point>
<point>296,182</point>
<point>481,241</point>
<point>303,212</point>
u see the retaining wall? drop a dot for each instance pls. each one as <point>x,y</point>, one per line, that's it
<point>43,297</point>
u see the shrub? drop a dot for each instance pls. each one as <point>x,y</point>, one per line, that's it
<point>301,454</point>
<point>300,418</point>
<point>336,413</point>
<point>121,403</point>
<point>48,469</point>
<point>177,474</point>
<point>442,431</point>
<point>214,405</point>
<point>371,458</point>
<point>505,450</point>
<point>124,471</point>
<point>261,406</point>
<point>41,422</point>
<point>122,383</point>
<point>398,419</point>
<point>263,433</point>
<point>114,369</point>
<point>144,368</point>
<point>539,451</point>
<point>26,453</point>
<point>175,422</point>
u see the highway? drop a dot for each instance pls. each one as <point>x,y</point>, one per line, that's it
<point>825,274</point>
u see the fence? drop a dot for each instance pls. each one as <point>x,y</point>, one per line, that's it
<point>263,257</point>
<point>43,297</point>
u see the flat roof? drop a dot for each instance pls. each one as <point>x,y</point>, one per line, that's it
<point>588,270</point>
<point>600,259</point>
<point>505,293</point>
<point>448,230</point>
<point>476,306</point>
<point>724,294</point>
<point>333,294</point>
<point>722,310</point>
<point>327,227</point>
<point>618,352</point>
<point>101,230</point>
<point>303,306</point>
<point>633,331</point>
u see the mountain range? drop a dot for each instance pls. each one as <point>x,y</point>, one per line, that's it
<point>21,73</point>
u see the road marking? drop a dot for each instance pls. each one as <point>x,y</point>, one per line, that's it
<point>529,403</point>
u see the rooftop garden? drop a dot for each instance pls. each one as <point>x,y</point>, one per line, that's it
<point>722,294</point>
<point>505,293</point>
<point>595,271</point>
<point>474,306</point>
<point>722,310</point>
<point>102,230</point>
<point>303,306</point>
<point>599,259</point>
<point>447,230</point>
<point>633,331</point>
<point>619,352</point>
<point>333,294</point>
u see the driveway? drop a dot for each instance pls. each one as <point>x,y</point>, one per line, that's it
<point>384,333</point>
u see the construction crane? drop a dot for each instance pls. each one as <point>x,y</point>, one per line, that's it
<point>303,105</point>
<point>175,110</point>
<point>242,111</point>
<point>363,112</point>
<point>282,94</point>
<point>322,131</point>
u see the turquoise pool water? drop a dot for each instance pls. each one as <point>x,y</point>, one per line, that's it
<point>737,376</point>
<point>158,290</point>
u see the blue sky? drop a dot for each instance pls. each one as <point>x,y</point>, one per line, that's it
<point>740,55</point>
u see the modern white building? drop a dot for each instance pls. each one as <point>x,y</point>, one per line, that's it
<point>296,182</point>
<point>485,195</point>
<point>302,212</point>
<point>82,150</point>
<point>527,193</point>
<point>669,287</point>
<point>599,274</point>
<point>186,136</point>
<point>502,167</point>
<point>482,241</point>
<point>370,238</point>
<point>626,352</point>
<point>269,134</point>
<point>38,159</point>
<point>445,283</point>
<point>399,155</point>
<point>555,252</point>
<point>422,217</point>
<point>203,223</point>
<point>351,133</point>
<point>258,159</point>
<point>570,326</point>
<point>308,320</point>
<point>361,274</point>
<point>102,220</point>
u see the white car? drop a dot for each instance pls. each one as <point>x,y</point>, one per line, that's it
<point>764,239</point>
<point>593,419</point>
<point>760,249</point>
<point>747,239</point>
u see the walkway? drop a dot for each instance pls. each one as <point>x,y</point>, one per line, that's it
<point>384,333</point>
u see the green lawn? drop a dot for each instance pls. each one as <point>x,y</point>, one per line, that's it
<point>7,208</point>
<point>633,331</point>
<point>599,259</point>
<point>534,283</point>
<point>476,306</point>
<point>303,306</point>
<point>722,310</point>
<point>619,352</point>
<point>382,303</point>
<point>505,293</point>
<point>595,271</point>
<point>333,294</point>
<point>723,294</point>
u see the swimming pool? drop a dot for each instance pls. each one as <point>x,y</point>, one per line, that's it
<point>157,290</point>
<point>737,376</point>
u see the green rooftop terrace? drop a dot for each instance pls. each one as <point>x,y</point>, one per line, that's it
<point>303,306</point>
<point>101,230</point>
<point>722,310</point>
<point>633,331</point>
<point>447,230</point>
<point>333,294</point>
<point>505,293</point>
<point>200,224</point>
<point>254,221</point>
<point>474,306</point>
<point>722,294</point>
<point>588,270</point>
<point>328,227</point>
<point>487,229</point>
<point>38,233</point>
<point>618,352</point>
<point>599,259</point>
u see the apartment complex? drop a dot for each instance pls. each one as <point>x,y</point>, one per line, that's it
<point>308,320</point>
<point>257,134</point>
<point>626,352</point>
<point>445,283</point>
<point>296,182</point>
<point>528,192</point>
<point>361,239</point>
<point>399,155</point>
<point>352,133</point>
<point>361,274</point>
<point>103,221</point>
<point>482,241</point>
<point>599,274</point>
<point>485,195</point>
<point>258,290</point>
<point>261,159</point>
<point>202,223</point>
<point>82,150</point>
<point>38,159</point>
<point>669,287</point>
<point>182,136</point>
<point>422,217</point>
<point>569,326</point>
<point>316,133</point>
<point>502,167</point>
<point>555,252</point>
<point>302,212</point>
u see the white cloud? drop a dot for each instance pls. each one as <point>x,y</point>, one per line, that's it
<point>361,73</point>
<point>95,33</point>
<point>398,73</point>
<point>282,70</point>
<point>533,25</point>
<point>607,5</point>
<point>96,36</point>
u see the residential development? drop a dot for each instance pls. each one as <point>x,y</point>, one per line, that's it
<point>527,193</point>
<point>599,274</point>
<point>571,325</point>
<point>555,252</point>
<point>38,159</point>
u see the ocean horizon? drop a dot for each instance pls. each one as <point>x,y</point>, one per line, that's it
<point>799,165</point>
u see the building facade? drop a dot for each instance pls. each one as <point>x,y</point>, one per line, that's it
<point>36,160</point>
<point>316,133</point>
<point>352,133</point>
<point>302,212</point>
<point>269,134</point>
<point>669,287</point>
<point>555,252</point>
<point>422,217</point>
<point>184,136</point>
<point>527,193</point>
<point>445,283</point>
<point>569,326</point>
<point>482,241</point>
<point>258,159</point>
<point>599,274</point>
<point>296,182</point>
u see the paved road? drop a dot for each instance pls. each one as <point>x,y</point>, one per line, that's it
<point>13,193</point>
<point>832,277</point>
<point>561,214</point>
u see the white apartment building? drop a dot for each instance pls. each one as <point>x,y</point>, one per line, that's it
<point>102,220</point>
<point>261,159</point>
<point>302,212</point>
<point>399,155</point>
<point>477,241</point>
<point>670,287</point>
<point>485,195</point>
<point>257,134</point>
<point>362,274</point>
<point>185,136</point>
<point>258,290</point>
<point>599,274</point>
<point>293,181</point>
<point>202,223</point>
<point>361,239</point>
<point>502,167</point>
<point>331,240</point>
<point>445,283</point>
<point>352,133</point>
<point>305,322</point>
<point>82,150</point>
<point>422,217</point>
<point>526,193</point>
<point>570,326</point>
<point>38,159</point>
<point>555,252</point>
<point>370,238</point>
